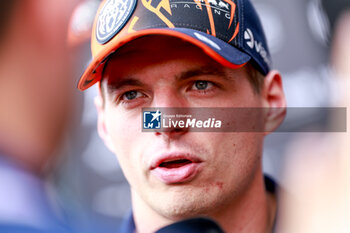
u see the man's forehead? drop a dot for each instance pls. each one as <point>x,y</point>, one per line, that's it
<point>181,75</point>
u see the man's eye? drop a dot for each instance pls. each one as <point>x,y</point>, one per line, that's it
<point>202,85</point>
<point>130,95</point>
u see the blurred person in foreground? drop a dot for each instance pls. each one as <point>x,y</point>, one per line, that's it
<point>319,164</point>
<point>188,54</point>
<point>36,102</point>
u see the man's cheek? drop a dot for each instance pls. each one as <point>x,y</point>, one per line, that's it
<point>129,143</point>
<point>122,128</point>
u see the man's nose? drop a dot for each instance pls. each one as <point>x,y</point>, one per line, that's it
<point>171,103</point>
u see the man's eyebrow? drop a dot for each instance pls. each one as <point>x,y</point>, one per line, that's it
<point>116,85</point>
<point>203,70</point>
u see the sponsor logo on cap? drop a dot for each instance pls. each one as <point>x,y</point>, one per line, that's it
<point>249,37</point>
<point>256,45</point>
<point>112,18</point>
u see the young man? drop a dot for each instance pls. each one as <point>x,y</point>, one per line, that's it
<point>186,54</point>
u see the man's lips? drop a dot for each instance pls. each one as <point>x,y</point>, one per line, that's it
<point>171,159</point>
<point>175,168</point>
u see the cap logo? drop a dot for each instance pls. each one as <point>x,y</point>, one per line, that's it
<point>249,37</point>
<point>208,16</point>
<point>112,18</point>
<point>256,45</point>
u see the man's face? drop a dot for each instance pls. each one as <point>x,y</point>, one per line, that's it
<point>178,173</point>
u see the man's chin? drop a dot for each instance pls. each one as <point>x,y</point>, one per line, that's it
<point>178,206</point>
<point>180,213</point>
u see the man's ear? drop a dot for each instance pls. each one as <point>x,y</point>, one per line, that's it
<point>274,101</point>
<point>101,123</point>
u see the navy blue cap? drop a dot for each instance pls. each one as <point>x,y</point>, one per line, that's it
<point>229,31</point>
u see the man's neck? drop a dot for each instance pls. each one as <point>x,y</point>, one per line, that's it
<point>253,211</point>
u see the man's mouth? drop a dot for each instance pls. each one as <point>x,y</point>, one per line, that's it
<point>176,168</point>
<point>175,163</point>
